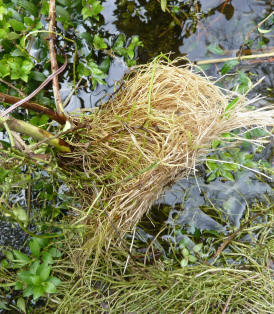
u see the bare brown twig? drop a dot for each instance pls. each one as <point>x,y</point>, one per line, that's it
<point>33,106</point>
<point>53,61</point>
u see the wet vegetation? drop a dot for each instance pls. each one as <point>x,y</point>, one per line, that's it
<point>206,245</point>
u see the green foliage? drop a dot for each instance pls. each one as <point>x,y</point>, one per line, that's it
<point>16,61</point>
<point>189,255</point>
<point>119,47</point>
<point>218,168</point>
<point>34,270</point>
<point>228,65</point>
<point>91,8</point>
<point>226,163</point>
<point>49,192</point>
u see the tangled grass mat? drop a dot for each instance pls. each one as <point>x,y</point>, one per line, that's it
<point>154,129</point>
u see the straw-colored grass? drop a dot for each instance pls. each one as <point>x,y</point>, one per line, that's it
<point>153,130</point>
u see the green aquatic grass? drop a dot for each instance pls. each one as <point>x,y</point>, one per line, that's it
<point>239,280</point>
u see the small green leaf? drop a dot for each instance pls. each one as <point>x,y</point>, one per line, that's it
<point>216,49</point>
<point>4,263</point>
<point>16,25</point>
<point>21,257</point>
<point>118,46</point>
<point>130,53</point>
<point>43,242</point>
<point>18,53</point>
<point>35,280</point>
<point>86,12</point>
<point>251,164</point>
<point>28,291</point>
<point>229,65</point>
<point>33,268</point>
<point>212,165</point>
<point>215,143</point>
<point>55,252</point>
<point>185,252</point>
<point>228,175</point>
<point>192,258</point>
<point>47,257</point>
<point>62,13</point>
<point>28,21</point>
<point>3,174</point>
<point>21,304</point>
<point>87,36</point>
<point>38,291</point>
<point>212,177</point>
<point>184,263</point>
<point>92,10</point>
<point>255,133</point>
<point>245,83</point>
<point>45,7</point>
<point>20,214</point>
<point>4,68</point>
<point>197,248</point>
<point>163,5</point>
<point>82,70</point>
<point>25,276</point>
<point>28,6</point>
<point>105,64</point>
<point>39,120</point>
<point>50,287</point>
<point>230,167</point>
<point>99,42</point>
<point>3,33</point>
<point>38,76</point>
<point>3,12</point>
<point>63,2</point>
<point>231,105</point>
<point>13,36</point>
<point>226,135</point>
<point>35,247</point>
<point>19,285</point>
<point>27,66</point>
<point>43,271</point>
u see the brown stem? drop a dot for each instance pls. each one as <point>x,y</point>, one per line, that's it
<point>233,235</point>
<point>53,61</point>
<point>36,107</point>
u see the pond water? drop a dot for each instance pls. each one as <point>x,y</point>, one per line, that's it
<point>226,23</point>
<point>196,27</point>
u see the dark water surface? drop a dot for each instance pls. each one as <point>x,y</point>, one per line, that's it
<point>209,22</point>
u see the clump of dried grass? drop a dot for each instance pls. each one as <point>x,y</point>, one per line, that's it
<point>151,131</point>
